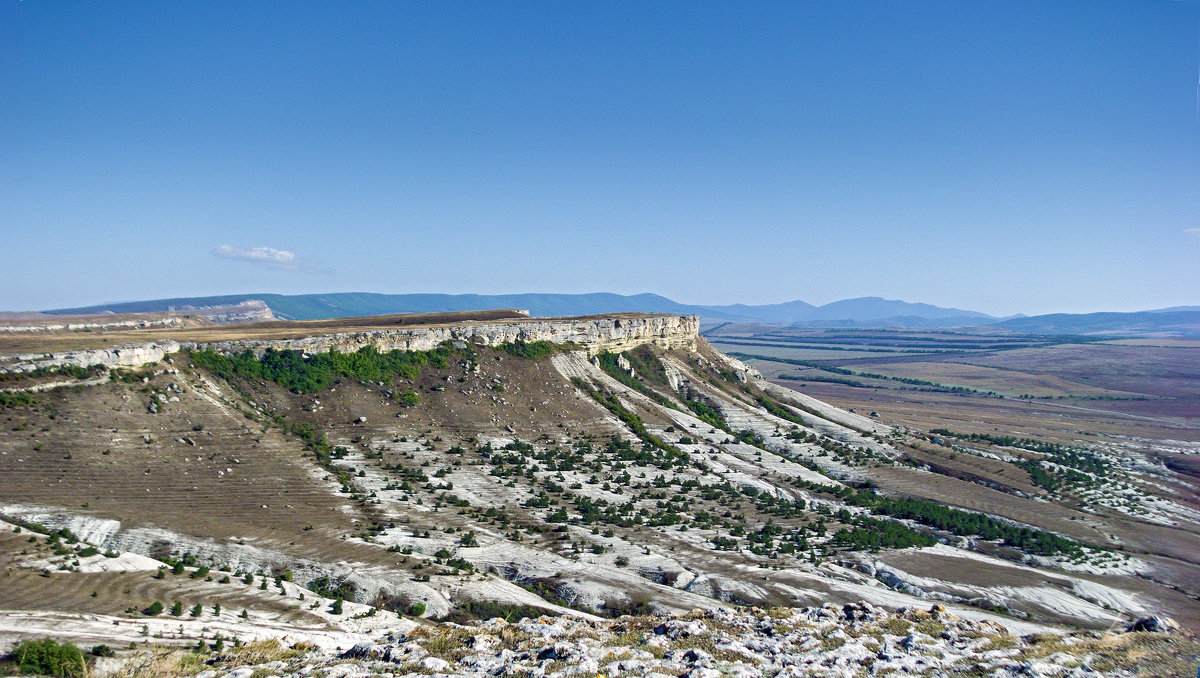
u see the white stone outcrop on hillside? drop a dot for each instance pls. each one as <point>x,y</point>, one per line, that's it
<point>592,334</point>
<point>134,355</point>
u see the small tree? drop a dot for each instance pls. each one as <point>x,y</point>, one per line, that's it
<point>416,609</point>
<point>336,608</point>
<point>176,609</point>
<point>217,610</point>
<point>197,610</point>
<point>154,609</point>
<point>177,568</point>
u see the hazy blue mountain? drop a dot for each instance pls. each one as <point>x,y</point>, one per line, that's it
<point>1164,322</point>
<point>861,312</point>
<point>789,311</point>
<point>897,321</point>
<point>348,304</point>
<point>1174,309</point>
<point>873,308</point>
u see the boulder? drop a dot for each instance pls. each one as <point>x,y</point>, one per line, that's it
<point>1154,624</point>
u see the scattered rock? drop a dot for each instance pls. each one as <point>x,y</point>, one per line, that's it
<point>1154,624</point>
<point>676,629</point>
<point>434,664</point>
<point>828,641</point>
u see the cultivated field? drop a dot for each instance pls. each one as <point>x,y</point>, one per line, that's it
<point>1156,379</point>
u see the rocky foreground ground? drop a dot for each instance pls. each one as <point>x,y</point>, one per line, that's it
<point>852,640</point>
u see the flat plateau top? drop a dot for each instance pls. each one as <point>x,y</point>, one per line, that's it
<point>53,341</point>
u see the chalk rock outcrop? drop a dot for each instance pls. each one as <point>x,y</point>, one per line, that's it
<point>593,334</point>
<point>125,356</point>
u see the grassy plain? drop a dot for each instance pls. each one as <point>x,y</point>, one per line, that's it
<point>1110,385</point>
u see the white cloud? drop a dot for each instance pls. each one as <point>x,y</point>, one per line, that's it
<point>1194,232</point>
<point>263,256</point>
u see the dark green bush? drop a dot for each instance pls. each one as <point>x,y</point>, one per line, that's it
<point>49,658</point>
<point>16,399</point>
<point>609,363</point>
<point>534,350</point>
<point>310,374</point>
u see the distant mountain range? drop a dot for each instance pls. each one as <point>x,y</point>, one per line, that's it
<point>348,304</point>
<point>860,312</point>
<point>1162,322</point>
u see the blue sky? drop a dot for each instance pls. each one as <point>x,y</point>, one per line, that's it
<point>1000,156</point>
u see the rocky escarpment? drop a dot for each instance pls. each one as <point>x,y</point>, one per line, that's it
<point>851,640</point>
<point>125,356</point>
<point>248,311</point>
<point>51,324</point>
<point>595,334</point>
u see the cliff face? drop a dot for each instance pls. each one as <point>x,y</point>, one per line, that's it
<point>593,334</point>
<point>126,356</point>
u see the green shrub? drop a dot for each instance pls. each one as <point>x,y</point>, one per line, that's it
<point>706,413</point>
<point>487,609</point>
<point>48,658</point>
<point>609,363</point>
<point>313,373</point>
<point>74,371</point>
<point>18,399</point>
<point>534,350</point>
<point>332,588</point>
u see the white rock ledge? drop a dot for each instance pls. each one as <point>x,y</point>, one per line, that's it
<point>594,334</point>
